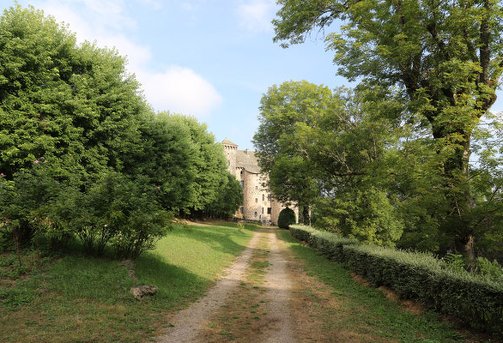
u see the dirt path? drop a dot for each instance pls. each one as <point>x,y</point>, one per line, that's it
<point>187,324</point>
<point>249,304</point>
<point>267,296</point>
<point>279,285</point>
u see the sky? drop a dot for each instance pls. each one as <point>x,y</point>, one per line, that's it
<point>212,59</point>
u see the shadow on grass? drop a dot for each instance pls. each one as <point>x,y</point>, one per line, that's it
<point>222,238</point>
<point>89,298</point>
<point>176,285</point>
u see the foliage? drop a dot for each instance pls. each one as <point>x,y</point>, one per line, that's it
<point>163,157</point>
<point>445,60</point>
<point>72,105</point>
<point>367,215</point>
<point>82,154</point>
<point>228,200</point>
<point>474,299</point>
<point>286,218</point>
<point>490,270</point>
<point>25,200</point>
<point>279,154</point>
<point>208,161</point>
<point>120,212</point>
<point>327,150</point>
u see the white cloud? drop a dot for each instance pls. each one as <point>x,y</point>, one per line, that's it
<point>175,88</point>
<point>256,15</point>
<point>181,90</point>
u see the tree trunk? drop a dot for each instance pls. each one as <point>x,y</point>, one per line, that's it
<point>306,215</point>
<point>469,251</point>
<point>456,174</point>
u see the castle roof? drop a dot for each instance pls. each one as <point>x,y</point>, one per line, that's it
<point>246,159</point>
<point>228,142</point>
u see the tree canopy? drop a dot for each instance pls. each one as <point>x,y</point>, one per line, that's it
<point>82,155</point>
<point>445,58</point>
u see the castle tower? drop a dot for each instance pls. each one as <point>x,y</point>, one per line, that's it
<point>230,150</point>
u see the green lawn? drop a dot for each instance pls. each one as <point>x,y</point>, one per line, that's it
<point>366,310</point>
<point>81,299</point>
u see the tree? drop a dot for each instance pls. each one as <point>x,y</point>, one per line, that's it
<point>81,153</point>
<point>73,106</point>
<point>290,181</point>
<point>228,200</point>
<point>279,154</point>
<point>209,163</point>
<point>164,156</point>
<point>446,56</point>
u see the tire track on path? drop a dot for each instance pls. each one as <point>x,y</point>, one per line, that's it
<point>279,285</point>
<point>188,323</point>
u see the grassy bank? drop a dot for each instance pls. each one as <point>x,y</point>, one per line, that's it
<point>367,311</point>
<point>81,299</point>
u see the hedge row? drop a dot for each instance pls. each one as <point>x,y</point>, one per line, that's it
<point>421,277</point>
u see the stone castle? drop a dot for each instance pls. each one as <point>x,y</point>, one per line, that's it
<point>258,203</point>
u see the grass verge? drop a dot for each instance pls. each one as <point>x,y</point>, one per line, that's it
<point>83,299</point>
<point>363,313</point>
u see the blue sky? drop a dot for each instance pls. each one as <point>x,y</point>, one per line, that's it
<point>213,59</point>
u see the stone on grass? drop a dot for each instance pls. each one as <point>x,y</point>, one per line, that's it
<point>141,291</point>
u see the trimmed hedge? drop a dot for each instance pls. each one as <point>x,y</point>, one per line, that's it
<point>474,300</point>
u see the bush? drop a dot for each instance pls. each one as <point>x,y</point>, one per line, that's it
<point>301,232</point>
<point>24,202</point>
<point>286,217</point>
<point>490,270</point>
<point>328,243</point>
<point>115,211</point>
<point>122,213</point>
<point>474,299</point>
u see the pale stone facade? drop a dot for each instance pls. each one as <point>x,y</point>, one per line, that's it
<point>258,204</point>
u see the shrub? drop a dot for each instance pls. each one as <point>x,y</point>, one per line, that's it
<point>122,213</point>
<point>286,217</point>
<point>475,299</point>
<point>24,202</point>
<point>115,211</point>
<point>328,243</point>
<point>301,232</point>
<point>490,270</point>
<point>433,282</point>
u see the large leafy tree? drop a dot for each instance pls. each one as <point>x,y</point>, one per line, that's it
<point>280,155</point>
<point>72,106</point>
<point>228,200</point>
<point>445,55</point>
<point>81,153</point>
<point>165,158</point>
<point>209,163</point>
<point>323,150</point>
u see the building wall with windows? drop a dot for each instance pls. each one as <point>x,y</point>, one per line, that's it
<point>258,203</point>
